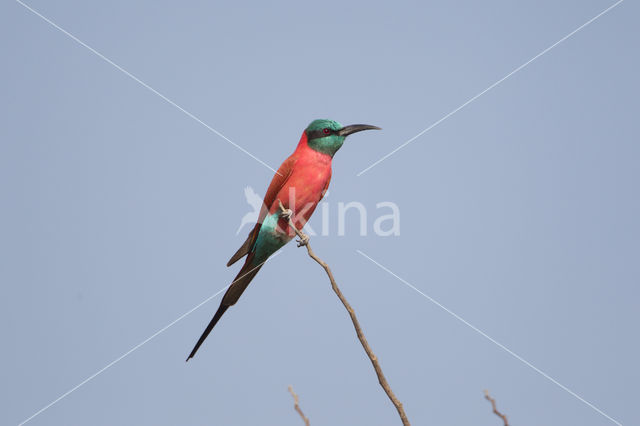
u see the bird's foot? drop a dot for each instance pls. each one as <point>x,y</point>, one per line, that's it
<point>286,214</point>
<point>303,241</point>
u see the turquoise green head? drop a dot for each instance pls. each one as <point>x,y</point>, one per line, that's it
<point>327,136</point>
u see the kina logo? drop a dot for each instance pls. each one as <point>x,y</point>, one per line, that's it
<point>255,201</point>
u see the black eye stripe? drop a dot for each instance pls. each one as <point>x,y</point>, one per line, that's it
<point>315,134</point>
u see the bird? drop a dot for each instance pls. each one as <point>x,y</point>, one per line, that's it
<point>255,202</point>
<point>298,186</point>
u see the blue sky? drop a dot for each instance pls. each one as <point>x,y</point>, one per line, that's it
<point>518,212</point>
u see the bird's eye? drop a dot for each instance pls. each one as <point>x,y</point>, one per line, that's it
<point>326,130</point>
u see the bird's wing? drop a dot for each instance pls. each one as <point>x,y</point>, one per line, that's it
<point>326,186</point>
<point>278,181</point>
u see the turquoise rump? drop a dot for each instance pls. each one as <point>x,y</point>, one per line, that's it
<point>270,238</point>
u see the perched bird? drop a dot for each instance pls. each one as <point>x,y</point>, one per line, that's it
<point>299,184</point>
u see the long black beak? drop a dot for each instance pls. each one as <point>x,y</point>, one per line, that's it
<point>354,128</point>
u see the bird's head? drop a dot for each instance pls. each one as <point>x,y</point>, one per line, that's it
<point>327,136</point>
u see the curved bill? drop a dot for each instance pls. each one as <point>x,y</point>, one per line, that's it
<point>354,128</point>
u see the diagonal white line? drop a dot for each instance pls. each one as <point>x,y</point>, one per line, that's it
<point>500,345</point>
<point>136,347</point>
<point>121,357</point>
<point>490,87</point>
<point>136,79</point>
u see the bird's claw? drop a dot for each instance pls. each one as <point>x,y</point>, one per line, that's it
<point>286,213</point>
<point>303,241</point>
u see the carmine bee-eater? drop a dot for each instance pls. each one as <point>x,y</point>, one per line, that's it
<point>300,183</point>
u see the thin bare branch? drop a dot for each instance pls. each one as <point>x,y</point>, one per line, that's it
<point>297,406</point>
<point>495,409</point>
<point>304,241</point>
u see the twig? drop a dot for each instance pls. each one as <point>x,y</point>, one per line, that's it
<point>297,407</point>
<point>304,241</point>
<point>495,409</point>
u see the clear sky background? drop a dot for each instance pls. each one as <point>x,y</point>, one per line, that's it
<point>519,212</point>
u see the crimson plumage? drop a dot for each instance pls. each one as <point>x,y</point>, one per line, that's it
<point>300,183</point>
